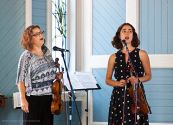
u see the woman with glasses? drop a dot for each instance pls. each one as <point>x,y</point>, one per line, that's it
<point>35,75</point>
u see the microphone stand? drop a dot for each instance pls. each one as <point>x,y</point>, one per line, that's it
<point>135,87</point>
<point>125,88</point>
<point>71,95</point>
<point>124,98</point>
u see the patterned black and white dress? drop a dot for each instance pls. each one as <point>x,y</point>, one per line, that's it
<point>117,97</point>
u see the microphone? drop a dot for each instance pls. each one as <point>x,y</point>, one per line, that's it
<point>55,48</point>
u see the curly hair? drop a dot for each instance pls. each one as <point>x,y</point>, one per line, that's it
<point>116,42</point>
<point>27,37</point>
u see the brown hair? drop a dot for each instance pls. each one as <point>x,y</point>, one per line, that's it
<point>27,37</point>
<point>116,42</point>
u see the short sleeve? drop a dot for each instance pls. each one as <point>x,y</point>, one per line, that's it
<point>23,66</point>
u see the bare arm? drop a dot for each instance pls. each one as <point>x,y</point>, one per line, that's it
<point>110,69</point>
<point>24,103</point>
<point>146,64</point>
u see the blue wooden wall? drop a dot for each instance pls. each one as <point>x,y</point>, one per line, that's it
<point>11,26</point>
<point>156,26</point>
<point>107,16</point>
<point>12,23</point>
<point>160,95</point>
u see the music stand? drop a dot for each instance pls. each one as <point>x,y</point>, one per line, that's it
<point>87,89</point>
<point>79,86</point>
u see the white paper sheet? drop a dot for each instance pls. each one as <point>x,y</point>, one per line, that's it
<point>16,100</point>
<point>81,80</point>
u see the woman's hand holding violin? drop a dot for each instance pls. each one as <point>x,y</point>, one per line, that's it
<point>133,80</point>
<point>122,83</point>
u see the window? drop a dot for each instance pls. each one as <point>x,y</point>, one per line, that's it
<point>59,12</point>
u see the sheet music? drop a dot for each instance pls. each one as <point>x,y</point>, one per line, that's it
<point>16,100</point>
<point>81,80</point>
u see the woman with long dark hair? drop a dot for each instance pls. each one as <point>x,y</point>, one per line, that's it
<point>120,110</point>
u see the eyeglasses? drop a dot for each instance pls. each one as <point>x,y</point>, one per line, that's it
<point>38,34</point>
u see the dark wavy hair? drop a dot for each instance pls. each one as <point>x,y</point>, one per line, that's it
<point>116,42</point>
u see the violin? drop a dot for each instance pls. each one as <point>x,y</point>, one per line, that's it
<point>136,92</point>
<point>57,104</point>
<point>141,105</point>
